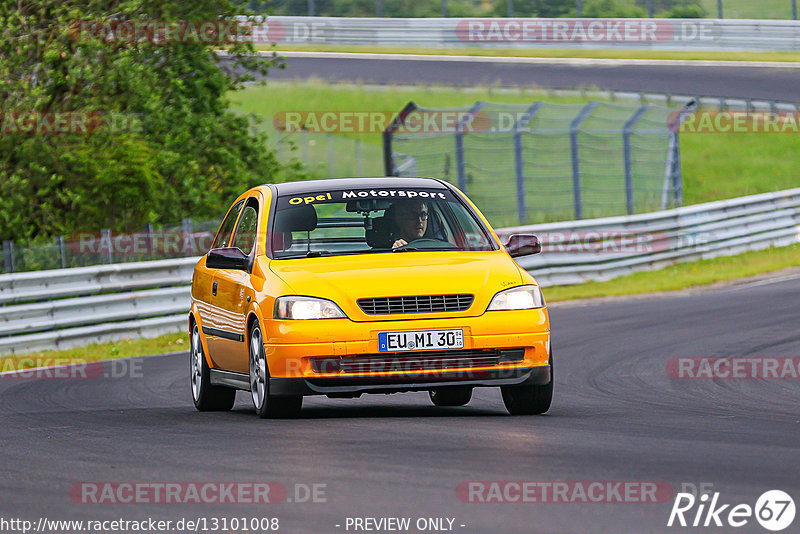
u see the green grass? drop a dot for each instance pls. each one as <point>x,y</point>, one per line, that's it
<point>684,275</point>
<point>125,348</point>
<point>589,53</point>
<point>750,9</point>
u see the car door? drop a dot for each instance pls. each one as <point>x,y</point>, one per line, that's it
<point>230,306</point>
<point>204,290</point>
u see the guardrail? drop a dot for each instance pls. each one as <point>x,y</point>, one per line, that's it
<point>653,34</point>
<point>68,307</point>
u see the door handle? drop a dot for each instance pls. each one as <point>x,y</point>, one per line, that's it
<point>214,288</point>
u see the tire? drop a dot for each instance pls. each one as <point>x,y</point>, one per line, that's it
<point>265,404</point>
<point>451,396</point>
<point>529,400</point>
<point>207,398</point>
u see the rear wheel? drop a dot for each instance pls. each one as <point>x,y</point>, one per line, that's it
<point>529,400</point>
<point>451,396</point>
<point>267,405</point>
<point>207,398</point>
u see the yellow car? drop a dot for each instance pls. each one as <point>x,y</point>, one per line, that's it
<point>365,285</point>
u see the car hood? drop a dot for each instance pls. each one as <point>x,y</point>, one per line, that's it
<point>344,279</point>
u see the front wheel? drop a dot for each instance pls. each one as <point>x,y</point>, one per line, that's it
<point>267,405</point>
<point>207,398</point>
<point>529,400</point>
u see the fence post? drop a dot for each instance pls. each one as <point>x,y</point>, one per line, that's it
<point>8,255</point>
<point>576,161</point>
<point>279,147</point>
<point>719,9</point>
<point>62,249</point>
<point>444,8</point>
<point>359,164</point>
<point>579,8</point>
<point>510,8</point>
<point>626,143</point>
<point>519,163</point>
<point>650,8</point>
<point>330,155</point>
<point>311,10</point>
<point>105,239</point>
<point>461,166</point>
<point>188,240</point>
<point>388,159</point>
<point>794,9</point>
<point>379,8</point>
<point>304,140</point>
<point>148,230</point>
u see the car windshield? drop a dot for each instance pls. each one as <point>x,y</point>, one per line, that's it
<point>366,221</point>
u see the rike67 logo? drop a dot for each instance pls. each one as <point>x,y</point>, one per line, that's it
<point>774,510</point>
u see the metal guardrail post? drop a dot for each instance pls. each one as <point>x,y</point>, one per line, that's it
<point>8,255</point>
<point>650,8</point>
<point>794,9</point>
<point>576,162</point>
<point>461,165</point>
<point>379,8</point>
<point>579,7</point>
<point>719,9</point>
<point>626,144</point>
<point>519,162</point>
<point>510,8</point>
<point>359,163</point>
<point>304,141</point>
<point>444,8</point>
<point>311,10</point>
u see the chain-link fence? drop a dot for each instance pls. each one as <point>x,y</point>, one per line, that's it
<point>524,164</point>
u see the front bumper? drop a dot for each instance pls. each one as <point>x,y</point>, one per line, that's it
<point>520,376</point>
<point>291,345</point>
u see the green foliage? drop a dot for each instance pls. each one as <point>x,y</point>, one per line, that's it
<point>611,8</point>
<point>686,12</point>
<point>189,156</point>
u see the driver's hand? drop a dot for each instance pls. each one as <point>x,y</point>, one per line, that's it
<point>399,243</point>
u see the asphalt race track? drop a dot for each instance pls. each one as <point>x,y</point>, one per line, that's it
<point>734,80</point>
<point>617,416</point>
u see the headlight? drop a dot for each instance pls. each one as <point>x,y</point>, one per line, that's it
<point>306,308</point>
<point>518,298</point>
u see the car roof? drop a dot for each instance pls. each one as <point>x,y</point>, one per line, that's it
<point>335,184</point>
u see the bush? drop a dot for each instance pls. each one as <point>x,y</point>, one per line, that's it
<point>190,156</point>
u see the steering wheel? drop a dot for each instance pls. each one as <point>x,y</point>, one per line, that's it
<point>425,242</point>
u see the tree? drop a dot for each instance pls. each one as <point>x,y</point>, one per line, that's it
<point>187,155</point>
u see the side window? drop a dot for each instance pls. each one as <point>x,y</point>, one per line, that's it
<point>223,238</point>
<point>245,236</point>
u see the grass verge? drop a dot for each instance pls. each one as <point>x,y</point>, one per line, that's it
<point>125,348</point>
<point>678,277</point>
<point>611,53</point>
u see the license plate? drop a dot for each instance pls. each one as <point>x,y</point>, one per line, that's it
<point>421,340</point>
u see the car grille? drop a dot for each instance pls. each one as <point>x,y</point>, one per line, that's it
<point>416,304</point>
<point>419,361</point>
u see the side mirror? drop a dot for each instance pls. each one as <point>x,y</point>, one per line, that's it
<point>522,245</point>
<point>227,258</point>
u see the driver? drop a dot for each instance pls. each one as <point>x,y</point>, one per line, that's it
<point>410,217</point>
